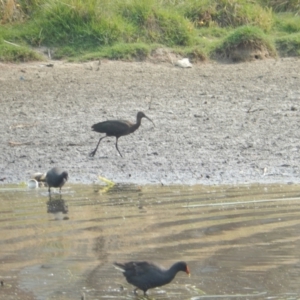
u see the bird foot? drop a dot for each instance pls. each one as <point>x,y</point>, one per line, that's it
<point>92,154</point>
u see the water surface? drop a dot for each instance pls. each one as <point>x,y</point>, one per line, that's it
<point>240,242</point>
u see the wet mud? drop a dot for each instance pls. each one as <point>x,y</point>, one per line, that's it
<point>214,123</point>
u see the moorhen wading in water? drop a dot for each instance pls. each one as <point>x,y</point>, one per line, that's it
<point>56,178</point>
<point>145,275</point>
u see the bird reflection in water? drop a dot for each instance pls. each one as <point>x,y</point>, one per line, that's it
<point>58,207</point>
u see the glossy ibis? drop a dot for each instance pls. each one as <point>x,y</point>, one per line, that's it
<point>145,275</point>
<point>56,178</point>
<point>117,128</point>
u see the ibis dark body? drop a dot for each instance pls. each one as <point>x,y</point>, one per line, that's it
<point>145,275</point>
<point>56,178</point>
<point>117,128</point>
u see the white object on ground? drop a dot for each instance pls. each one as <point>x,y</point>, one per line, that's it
<point>32,184</point>
<point>183,63</point>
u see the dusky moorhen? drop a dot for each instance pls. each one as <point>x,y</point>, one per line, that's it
<point>56,178</point>
<point>145,275</point>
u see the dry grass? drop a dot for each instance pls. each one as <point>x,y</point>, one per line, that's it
<point>10,11</point>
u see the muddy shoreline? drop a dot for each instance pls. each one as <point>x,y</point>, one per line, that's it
<point>215,123</point>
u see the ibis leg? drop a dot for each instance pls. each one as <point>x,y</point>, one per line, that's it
<point>117,147</point>
<point>94,152</point>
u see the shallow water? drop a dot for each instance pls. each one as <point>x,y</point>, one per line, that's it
<point>240,242</point>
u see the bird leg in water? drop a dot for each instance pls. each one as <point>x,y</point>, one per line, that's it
<point>94,152</point>
<point>117,147</point>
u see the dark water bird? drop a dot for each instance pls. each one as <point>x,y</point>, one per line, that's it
<point>145,275</point>
<point>117,128</point>
<point>56,178</point>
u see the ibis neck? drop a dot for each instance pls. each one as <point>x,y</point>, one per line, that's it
<point>136,125</point>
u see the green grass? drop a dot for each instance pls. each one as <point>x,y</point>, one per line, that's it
<point>287,23</point>
<point>131,29</point>
<point>77,23</point>
<point>121,51</point>
<point>292,6</point>
<point>16,53</point>
<point>243,42</point>
<point>156,24</point>
<point>225,13</point>
<point>288,45</point>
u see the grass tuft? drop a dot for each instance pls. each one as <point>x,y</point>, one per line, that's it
<point>15,53</point>
<point>244,44</point>
<point>155,24</point>
<point>77,23</point>
<point>288,45</point>
<point>228,13</point>
<point>287,22</point>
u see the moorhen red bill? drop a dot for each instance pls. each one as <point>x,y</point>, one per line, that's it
<point>145,275</point>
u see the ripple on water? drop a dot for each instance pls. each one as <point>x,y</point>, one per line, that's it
<point>239,241</point>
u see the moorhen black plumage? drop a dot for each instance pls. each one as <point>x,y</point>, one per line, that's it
<point>56,178</point>
<point>145,275</point>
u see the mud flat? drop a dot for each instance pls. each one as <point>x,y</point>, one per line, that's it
<point>215,123</point>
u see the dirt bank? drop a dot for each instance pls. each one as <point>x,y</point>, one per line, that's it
<point>215,123</point>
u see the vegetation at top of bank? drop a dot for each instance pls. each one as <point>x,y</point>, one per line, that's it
<point>244,42</point>
<point>133,29</point>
